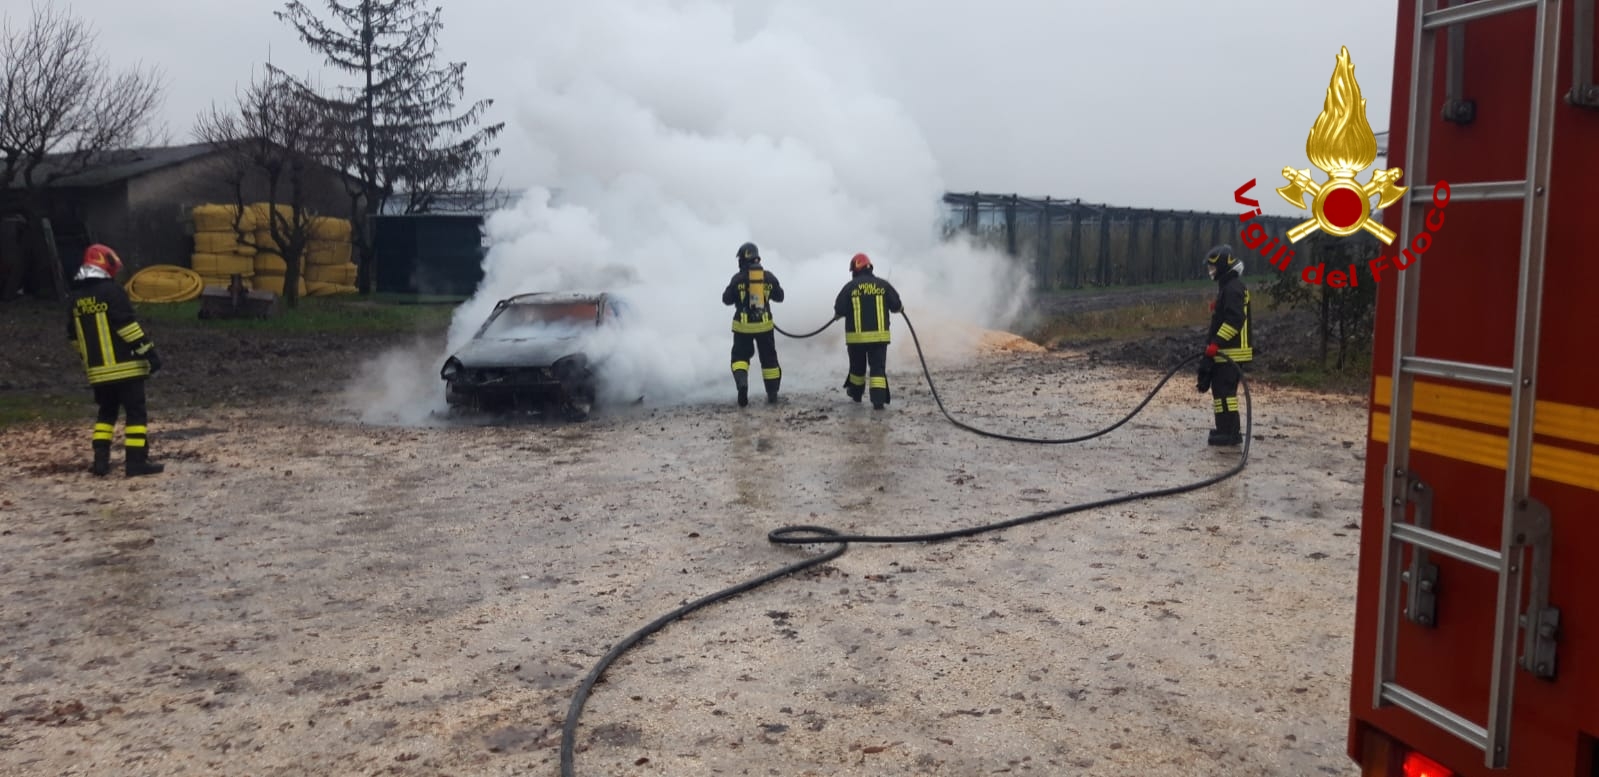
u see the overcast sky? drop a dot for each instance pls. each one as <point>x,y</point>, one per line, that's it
<point>1156,103</point>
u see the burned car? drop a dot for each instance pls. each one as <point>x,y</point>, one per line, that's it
<point>535,352</point>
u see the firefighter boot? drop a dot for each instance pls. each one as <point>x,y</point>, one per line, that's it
<point>138,462</point>
<point>773,378</point>
<point>1228,434</point>
<point>879,391</point>
<point>741,379</point>
<point>855,390</point>
<point>102,458</point>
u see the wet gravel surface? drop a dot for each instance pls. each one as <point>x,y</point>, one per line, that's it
<point>301,594</point>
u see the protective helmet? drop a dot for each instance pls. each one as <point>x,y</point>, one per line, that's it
<point>1221,261</point>
<point>859,264</point>
<point>103,257</point>
<point>748,254</point>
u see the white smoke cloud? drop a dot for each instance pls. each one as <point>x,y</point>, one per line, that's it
<point>669,133</point>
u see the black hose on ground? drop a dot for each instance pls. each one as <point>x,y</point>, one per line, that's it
<point>820,535</point>
<point>818,331</point>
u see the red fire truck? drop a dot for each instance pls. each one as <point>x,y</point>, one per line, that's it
<point>1477,618</point>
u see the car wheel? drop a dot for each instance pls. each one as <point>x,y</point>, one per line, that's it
<point>453,396</point>
<point>578,405</point>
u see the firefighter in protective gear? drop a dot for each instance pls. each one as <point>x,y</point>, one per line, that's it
<point>751,293</point>
<point>117,356</point>
<point>864,303</point>
<point>1229,337</point>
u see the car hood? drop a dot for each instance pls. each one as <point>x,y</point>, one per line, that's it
<point>518,352</point>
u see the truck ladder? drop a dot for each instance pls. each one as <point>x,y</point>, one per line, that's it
<point>1525,523</point>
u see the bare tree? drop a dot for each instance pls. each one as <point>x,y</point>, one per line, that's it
<point>399,129</point>
<point>61,108</point>
<point>273,134</point>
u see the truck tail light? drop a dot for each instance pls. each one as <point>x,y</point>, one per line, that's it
<point>1418,765</point>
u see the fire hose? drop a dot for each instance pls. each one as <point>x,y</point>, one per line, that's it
<point>821,535</point>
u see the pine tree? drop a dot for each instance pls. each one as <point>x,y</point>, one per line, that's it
<point>399,129</point>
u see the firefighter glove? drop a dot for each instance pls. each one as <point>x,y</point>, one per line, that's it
<point>1210,350</point>
<point>155,361</point>
<point>1204,376</point>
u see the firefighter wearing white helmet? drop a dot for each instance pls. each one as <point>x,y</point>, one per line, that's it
<point>1228,336</point>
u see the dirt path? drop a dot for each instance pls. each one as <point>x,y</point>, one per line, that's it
<point>303,595</point>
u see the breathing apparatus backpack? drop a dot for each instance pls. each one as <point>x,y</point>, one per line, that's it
<point>755,290</point>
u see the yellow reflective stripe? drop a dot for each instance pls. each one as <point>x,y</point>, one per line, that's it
<point>103,431</point>
<point>771,372</point>
<point>102,325</point>
<point>1551,419</point>
<point>755,328</point>
<point>1232,403</point>
<point>1226,331</point>
<point>857,380</point>
<point>863,338</point>
<point>82,346</point>
<point>132,333</point>
<point>879,381</point>
<point>882,315</point>
<point>741,366</point>
<point>133,442</point>
<point>118,372</point>
<point>134,429</point>
<point>1243,335</point>
<point>1236,354</point>
<point>1559,465</point>
<point>855,302</point>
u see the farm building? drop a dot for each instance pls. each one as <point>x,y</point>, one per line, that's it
<point>140,200</point>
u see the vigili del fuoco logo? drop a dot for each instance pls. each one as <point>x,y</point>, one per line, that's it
<point>1342,145</point>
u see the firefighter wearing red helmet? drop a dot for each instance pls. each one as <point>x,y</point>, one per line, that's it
<point>751,293</point>
<point>117,355</point>
<point>864,303</point>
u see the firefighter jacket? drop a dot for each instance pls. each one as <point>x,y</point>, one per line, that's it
<point>100,325</point>
<point>864,303</point>
<point>751,293</point>
<point>1229,320</point>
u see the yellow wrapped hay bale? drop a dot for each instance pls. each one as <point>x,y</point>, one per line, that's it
<point>343,274</point>
<point>331,229</point>
<point>264,241</point>
<point>218,217</point>
<point>222,265</point>
<point>325,252</point>
<point>270,263</point>
<point>222,243</point>
<point>262,213</point>
<point>323,289</point>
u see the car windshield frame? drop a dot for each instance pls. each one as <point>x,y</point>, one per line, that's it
<point>533,318</point>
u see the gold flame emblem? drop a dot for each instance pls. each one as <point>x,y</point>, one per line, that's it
<point>1341,144</point>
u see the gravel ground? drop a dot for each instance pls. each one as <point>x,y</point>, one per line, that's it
<point>304,594</point>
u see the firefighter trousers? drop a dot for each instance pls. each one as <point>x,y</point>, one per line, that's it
<point>746,345</point>
<point>1224,394</point>
<point>126,398</point>
<point>868,367</point>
